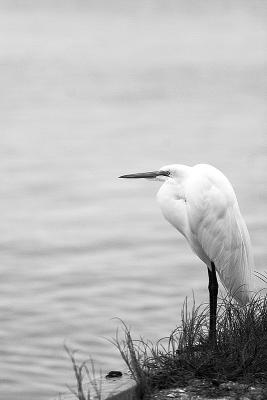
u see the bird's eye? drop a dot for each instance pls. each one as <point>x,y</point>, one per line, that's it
<point>166,173</point>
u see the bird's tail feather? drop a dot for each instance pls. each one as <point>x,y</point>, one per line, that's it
<point>236,271</point>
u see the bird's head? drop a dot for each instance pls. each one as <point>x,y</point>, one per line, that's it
<point>168,172</point>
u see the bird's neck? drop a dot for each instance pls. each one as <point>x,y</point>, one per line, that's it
<point>171,199</point>
<point>172,190</point>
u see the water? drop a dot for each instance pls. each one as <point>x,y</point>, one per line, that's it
<point>89,92</point>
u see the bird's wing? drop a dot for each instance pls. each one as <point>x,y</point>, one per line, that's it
<point>217,226</point>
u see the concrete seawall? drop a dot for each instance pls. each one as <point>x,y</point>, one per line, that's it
<point>122,388</point>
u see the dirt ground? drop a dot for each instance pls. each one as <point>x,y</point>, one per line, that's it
<point>203,390</point>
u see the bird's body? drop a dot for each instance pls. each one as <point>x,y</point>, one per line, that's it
<point>201,204</point>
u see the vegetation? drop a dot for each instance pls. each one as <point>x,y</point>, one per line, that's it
<point>84,371</point>
<point>240,354</point>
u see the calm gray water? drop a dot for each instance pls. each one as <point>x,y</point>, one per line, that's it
<point>89,91</point>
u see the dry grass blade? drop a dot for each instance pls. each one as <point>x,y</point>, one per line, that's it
<point>81,371</point>
<point>134,354</point>
<point>261,276</point>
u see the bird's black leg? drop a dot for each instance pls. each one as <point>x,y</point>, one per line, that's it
<point>213,291</point>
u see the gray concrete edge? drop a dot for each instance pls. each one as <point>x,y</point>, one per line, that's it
<point>102,388</point>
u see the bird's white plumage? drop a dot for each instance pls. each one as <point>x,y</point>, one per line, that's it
<point>200,202</point>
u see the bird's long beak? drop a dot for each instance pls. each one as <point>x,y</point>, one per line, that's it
<point>152,174</point>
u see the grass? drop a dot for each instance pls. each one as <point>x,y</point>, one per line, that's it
<point>84,371</point>
<point>240,354</point>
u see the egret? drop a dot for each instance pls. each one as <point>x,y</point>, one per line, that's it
<point>201,204</point>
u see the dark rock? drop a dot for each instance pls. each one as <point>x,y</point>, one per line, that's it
<point>114,374</point>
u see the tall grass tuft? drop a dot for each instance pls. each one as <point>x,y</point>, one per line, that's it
<point>239,355</point>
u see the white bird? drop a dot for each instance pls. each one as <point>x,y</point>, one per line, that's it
<point>201,204</point>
